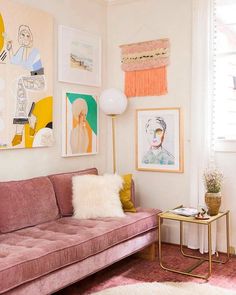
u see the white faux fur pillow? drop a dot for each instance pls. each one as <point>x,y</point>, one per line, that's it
<point>97,196</point>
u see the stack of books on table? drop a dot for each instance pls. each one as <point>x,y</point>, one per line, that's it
<point>185,211</point>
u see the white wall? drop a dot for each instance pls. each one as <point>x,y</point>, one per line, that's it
<point>227,163</point>
<point>136,21</point>
<point>89,16</point>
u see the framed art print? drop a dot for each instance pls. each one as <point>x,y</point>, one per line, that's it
<point>79,57</point>
<point>26,77</point>
<point>159,140</point>
<point>79,125</point>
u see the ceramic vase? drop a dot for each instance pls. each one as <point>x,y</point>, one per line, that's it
<point>213,202</point>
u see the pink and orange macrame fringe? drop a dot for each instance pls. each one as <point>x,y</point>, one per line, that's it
<point>145,67</point>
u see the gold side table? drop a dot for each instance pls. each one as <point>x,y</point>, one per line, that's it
<point>181,219</point>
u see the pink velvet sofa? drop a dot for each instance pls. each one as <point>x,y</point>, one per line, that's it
<point>43,248</point>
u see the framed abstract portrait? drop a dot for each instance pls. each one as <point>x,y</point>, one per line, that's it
<point>159,140</point>
<point>79,124</point>
<point>26,77</point>
<point>79,57</point>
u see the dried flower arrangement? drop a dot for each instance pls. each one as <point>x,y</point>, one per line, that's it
<point>213,180</point>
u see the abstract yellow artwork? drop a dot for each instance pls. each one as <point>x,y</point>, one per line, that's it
<point>26,56</point>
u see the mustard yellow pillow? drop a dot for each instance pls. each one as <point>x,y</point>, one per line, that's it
<point>125,194</point>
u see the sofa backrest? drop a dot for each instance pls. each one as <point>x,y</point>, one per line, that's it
<point>26,203</point>
<point>62,184</point>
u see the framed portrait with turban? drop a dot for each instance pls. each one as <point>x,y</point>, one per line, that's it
<point>79,124</point>
<point>159,140</point>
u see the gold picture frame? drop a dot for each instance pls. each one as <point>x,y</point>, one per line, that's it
<point>159,140</point>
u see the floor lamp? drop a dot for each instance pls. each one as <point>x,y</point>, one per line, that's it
<point>113,102</point>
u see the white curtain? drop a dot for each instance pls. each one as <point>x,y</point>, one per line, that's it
<point>201,115</point>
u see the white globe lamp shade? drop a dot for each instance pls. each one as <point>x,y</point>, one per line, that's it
<point>113,102</point>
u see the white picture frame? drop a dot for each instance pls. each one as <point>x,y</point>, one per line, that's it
<point>79,57</point>
<point>84,129</point>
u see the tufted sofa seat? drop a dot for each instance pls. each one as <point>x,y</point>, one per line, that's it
<point>32,253</point>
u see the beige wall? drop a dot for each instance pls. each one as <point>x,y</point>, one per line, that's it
<point>89,16</point>
<point>142,20</point>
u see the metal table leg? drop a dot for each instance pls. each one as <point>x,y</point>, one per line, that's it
<point>201,259</point>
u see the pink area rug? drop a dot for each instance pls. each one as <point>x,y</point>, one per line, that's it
<point>136,270</point>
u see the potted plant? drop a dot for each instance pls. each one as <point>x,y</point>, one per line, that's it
<point>213,180</point>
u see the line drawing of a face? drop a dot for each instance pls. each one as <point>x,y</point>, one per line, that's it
<point>155,131</point>
<point>25,37</point>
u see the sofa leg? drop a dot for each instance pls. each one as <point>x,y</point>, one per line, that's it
<point>148,253</point>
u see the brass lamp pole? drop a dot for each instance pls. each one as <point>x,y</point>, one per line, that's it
<point>113,117</point>
<point>113,102</point>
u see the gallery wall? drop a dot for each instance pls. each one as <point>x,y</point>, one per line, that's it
<point>122,22</point>
<point>89,16</point>
<point>137,21</point>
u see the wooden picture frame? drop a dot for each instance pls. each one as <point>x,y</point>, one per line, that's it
<point>159,140</point>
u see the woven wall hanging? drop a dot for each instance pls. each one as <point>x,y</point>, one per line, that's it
<point>145,65</point>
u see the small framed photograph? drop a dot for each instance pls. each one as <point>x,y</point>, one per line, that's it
<point>79,57</point>
<point>159,140</point>
<point>79,124</point>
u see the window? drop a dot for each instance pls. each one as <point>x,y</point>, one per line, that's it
<point>225,75</point>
